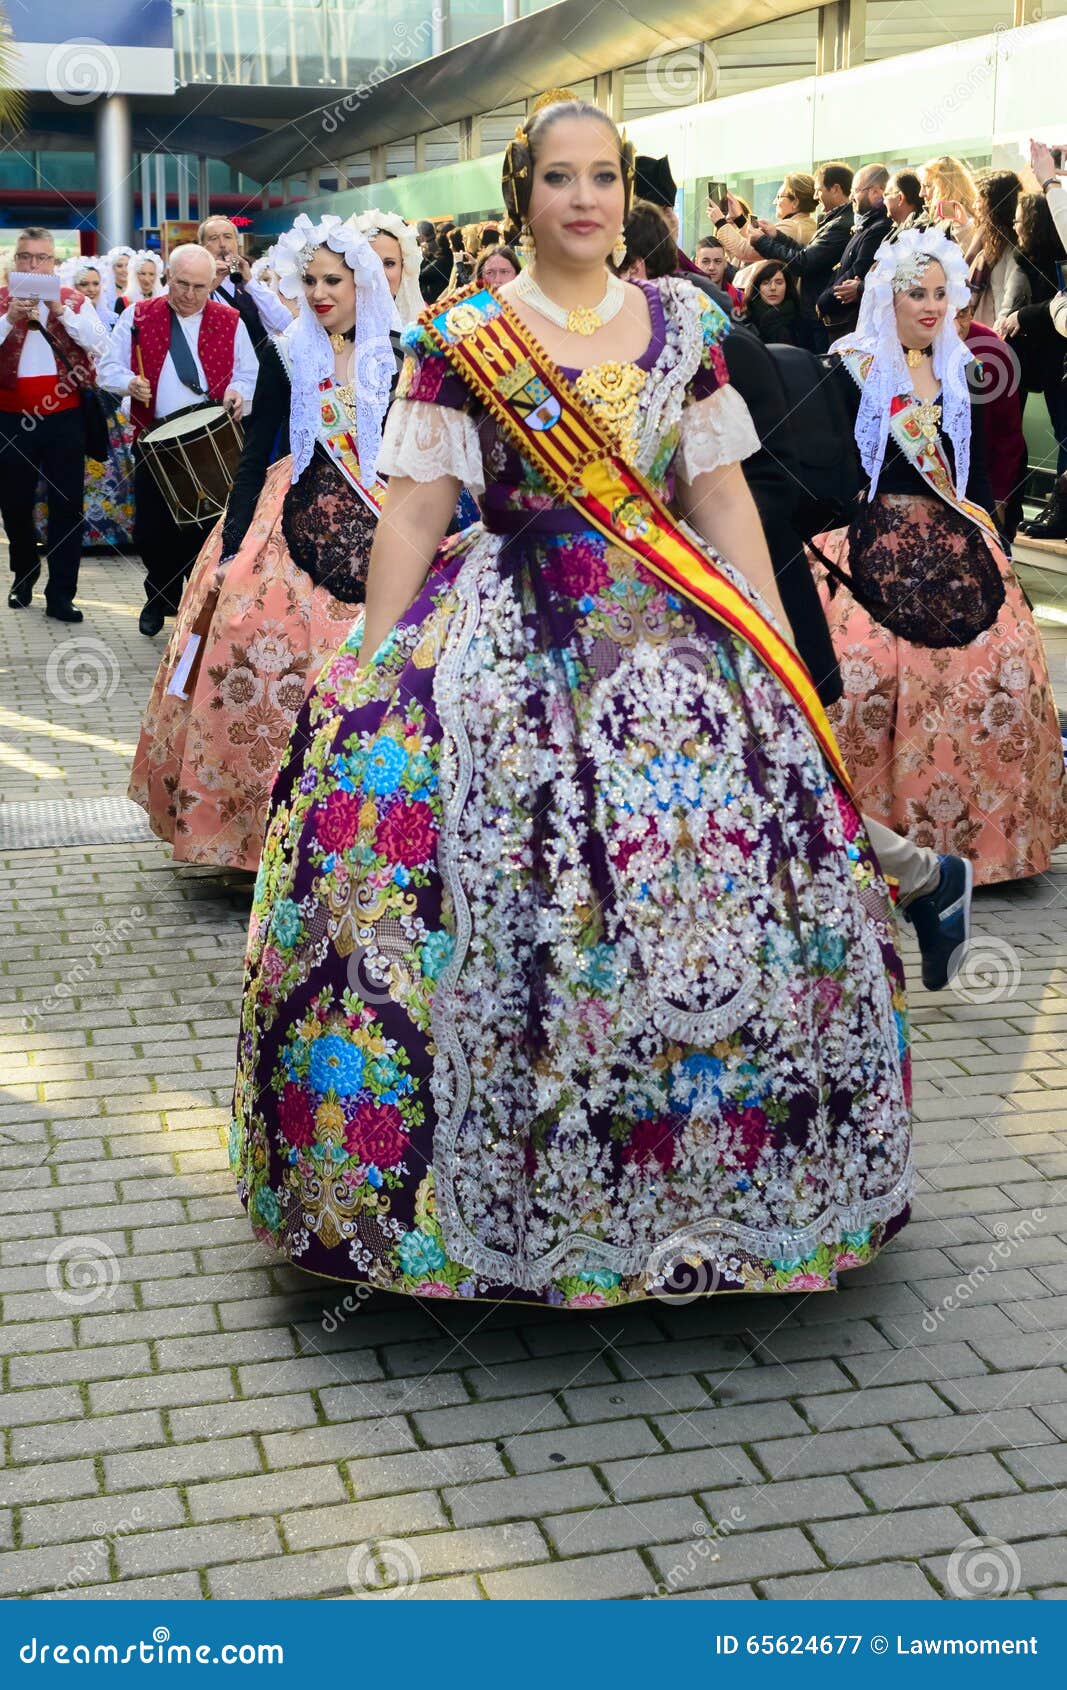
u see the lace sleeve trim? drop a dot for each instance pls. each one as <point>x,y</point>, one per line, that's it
<point>715,431</point>
<point>425,441</point>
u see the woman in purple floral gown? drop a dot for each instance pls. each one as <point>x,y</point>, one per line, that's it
<point>571,975</point>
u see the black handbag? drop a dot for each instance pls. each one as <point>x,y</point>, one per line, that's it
<point>94,417</point>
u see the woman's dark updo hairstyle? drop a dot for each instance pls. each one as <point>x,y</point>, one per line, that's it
<point>517,178</point>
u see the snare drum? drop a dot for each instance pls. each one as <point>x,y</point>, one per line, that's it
<point>193,457</point>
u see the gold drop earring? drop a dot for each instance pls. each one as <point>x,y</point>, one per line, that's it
<point>527,245</point>
<point>618,251</point>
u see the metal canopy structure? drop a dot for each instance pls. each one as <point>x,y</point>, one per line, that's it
<point>565,43</point>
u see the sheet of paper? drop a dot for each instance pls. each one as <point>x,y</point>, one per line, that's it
<point>26,284</point>
<point>185,663</point>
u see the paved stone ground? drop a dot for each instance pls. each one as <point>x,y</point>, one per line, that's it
<point>184,1417</point>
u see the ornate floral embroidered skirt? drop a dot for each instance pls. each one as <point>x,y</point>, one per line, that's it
<point>570,977</point>
<point>205,765</point>
<point>958,748</point>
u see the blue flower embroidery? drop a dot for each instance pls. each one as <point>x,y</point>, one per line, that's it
<point>436,953</point>
<point>267,1208</point>
<point>386,762</point>
<point>285,923</point>
<point>598,966</point>
<point>420,1254</point>
<point>335,1066</point>
<point>696,1084</point>
<point>674,779</point>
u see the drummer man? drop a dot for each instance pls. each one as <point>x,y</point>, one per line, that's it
<point>179,352</point>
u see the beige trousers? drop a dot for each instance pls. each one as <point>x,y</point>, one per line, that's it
<point>915,868</point>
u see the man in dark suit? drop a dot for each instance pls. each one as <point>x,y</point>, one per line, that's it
<point>839,302</point>
<point>813,265</point>
<point>771,475</point>
<point>233,273</point>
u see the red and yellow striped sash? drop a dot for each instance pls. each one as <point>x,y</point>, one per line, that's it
<point>548,422</point>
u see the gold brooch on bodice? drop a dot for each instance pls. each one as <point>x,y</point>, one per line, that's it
<point>614,390</point>
<point>928,417</point>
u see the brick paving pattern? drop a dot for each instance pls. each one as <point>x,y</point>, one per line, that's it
<point>184,1416</point>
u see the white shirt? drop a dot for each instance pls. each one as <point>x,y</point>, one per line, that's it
<point>37,358</point>
<point>116,370</point>
<point>272,312</point>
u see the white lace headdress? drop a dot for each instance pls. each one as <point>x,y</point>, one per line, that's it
<point>409,300</point>
<point>308,344</point>
<point>109,291</point>
<point>133,285</point>
<point>899,263</point>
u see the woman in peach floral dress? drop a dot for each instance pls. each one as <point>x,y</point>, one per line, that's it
<point>287,564</point>
<point>948,725</point>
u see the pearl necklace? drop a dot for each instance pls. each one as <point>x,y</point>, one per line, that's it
<point>583,319</point>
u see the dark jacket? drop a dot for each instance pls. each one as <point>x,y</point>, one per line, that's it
<point>775,324</point>
<point>1036,344</point>
<point>248,311</point>
<point>773,486</point>
<point>867,235</point>
<point>812,266</point>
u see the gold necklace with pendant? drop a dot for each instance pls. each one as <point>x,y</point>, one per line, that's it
<point>914,355</point>
<point>581,319</point>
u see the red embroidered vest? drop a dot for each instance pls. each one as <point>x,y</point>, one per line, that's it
<point>43,394</point>
<point>151,337</point>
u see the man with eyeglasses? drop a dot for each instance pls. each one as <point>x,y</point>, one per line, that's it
<point>261,312</point>
<point>46,360</point>
<point>176,353</point>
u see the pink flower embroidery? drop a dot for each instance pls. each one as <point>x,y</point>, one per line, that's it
<point>428,379</point>
<point>272,965</point>
<point>751,1129</point>
<point>577,569</point>
<point>295,1117</point>
<point>850,819</point>
<point>376,1134</point>
<point>650,1141</point>
<point>809,1282</point>
<point>406,834</point>
<point>434,1288</point>
<point>337,821</point>
<point>587,1300</point>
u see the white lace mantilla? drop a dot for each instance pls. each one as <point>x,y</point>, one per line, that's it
<point>425,441</point>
